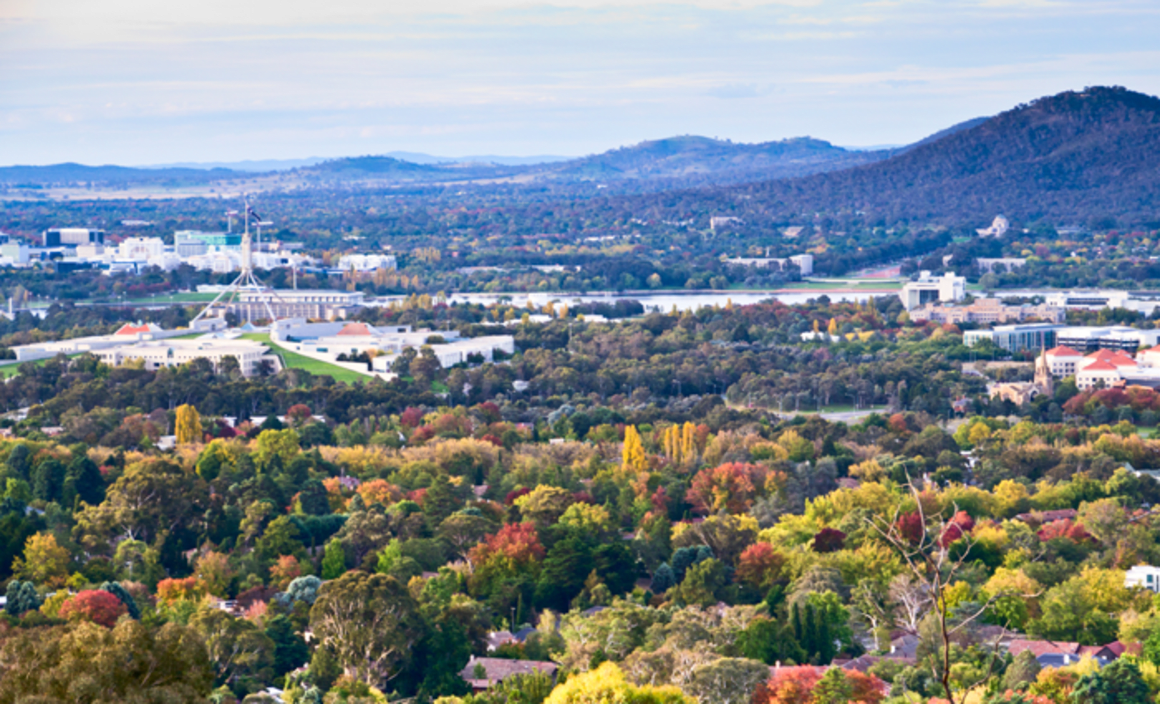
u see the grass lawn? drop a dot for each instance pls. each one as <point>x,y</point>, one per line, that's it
<point>294,360</point>
<point>191,297</point>
<point>10,369</point>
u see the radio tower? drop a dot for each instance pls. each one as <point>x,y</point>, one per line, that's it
<point>246,280</point>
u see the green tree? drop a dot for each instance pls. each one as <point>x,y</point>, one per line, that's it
<point>369,623</point>
<point>22,597</point>
<point>1119,682</point>
<point>240,652</point>
<point>833,688</point>
<point>333,560</point>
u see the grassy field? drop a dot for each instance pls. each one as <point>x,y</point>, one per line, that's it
<point>293,360</point>
<point>173,298</point>
<point>11,369</point>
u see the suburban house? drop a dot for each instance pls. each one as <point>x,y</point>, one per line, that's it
<point>482,673</point>
<point>1143,576</point>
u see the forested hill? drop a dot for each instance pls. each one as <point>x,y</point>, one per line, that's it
<point>692,156</point>
<point>71,173</point>
<point>1069,156</point>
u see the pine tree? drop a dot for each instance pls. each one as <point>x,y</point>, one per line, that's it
<point>188,424</point>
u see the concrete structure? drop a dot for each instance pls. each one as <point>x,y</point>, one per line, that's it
<point>804,262</point>
<point>1023,392</point>
<point>367,262</point>
<point>1090,300</point>
<point>718,222</point>
<point>190,243</point>
<point>312,304</point>
<point>326,341</point>
<point>930,289</point>
<point>1143,577</point>
<point>58,236</point>
<point>140,248</point>
<point>16,253</point>
<point>987,310</point>
<point>999,227</point>
<point>173,353</point>
<point>127,334</point>
<point>1008,264</point>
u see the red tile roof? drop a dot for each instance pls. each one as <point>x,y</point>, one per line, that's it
<point>1100,367</point>
<point>1063,351</point>
<point>130,329</point>
<point>499,669</point>
<point>1043,647</point>
<point>355,329</point>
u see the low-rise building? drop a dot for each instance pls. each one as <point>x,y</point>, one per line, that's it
<point>156,354</point>
<point>1143,577</point>
<point>1000,264</point>
<point>483,673</point>
<point>947,288</point>
<point>1032,336</point>
<point>987,310</point>
<point>804,262</point>
<point>367,262</point>
<point>304,303</point>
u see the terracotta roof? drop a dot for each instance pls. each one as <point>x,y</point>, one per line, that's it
<point>1100,354</point>
<point>1062,351</point>
<point>130,329</point>
<point>499,669</point>
<point>1100,367</point>
<point>355,329</point>
<point>1042,647</point>
<point>1122,360</point>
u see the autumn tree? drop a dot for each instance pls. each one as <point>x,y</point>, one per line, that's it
<point>727,487</point>
<point>187,426</point>
<point>44,562</point>
<point>96,605</point>
<point>633,457</point>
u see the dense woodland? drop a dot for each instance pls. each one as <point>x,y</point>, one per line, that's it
<point>649,513</point>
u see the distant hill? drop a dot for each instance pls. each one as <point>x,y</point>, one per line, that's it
<point>70,173</point>
<point>1069,156</point>
<point>690,157</point>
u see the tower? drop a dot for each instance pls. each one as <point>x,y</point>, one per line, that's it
<point>1043,378</point>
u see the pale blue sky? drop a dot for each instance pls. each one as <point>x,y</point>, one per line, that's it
<point>147,81</point>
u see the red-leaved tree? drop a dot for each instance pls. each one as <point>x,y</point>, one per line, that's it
<point>96,605</point>
<point>729,486</point>
<point>759,565</point>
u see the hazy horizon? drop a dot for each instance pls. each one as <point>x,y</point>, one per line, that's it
<point>132,82</point>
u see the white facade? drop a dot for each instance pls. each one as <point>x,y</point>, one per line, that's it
<point>367,262</point>
<point>139,248</point>
<point>173,353</point>
<point>927,289</point>
<point>998,228</point>
<point>1143,577</point>
<point>804,262</point>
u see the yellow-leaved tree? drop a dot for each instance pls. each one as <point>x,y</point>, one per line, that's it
<point>188,425</point>
<point>632,456</point>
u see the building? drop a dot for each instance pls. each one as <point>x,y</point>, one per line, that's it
<point>999,227</point>
<point>718,222</point>
<point>327,341</point>
<point>804,262</point>
<point>126,334</point>
<point>65,236</point>
<point>947,288</point>
<point>1023,392</point>
<point>367,262</point>
<point>190,243</point>
<point>1143,577</point>
<point>1090,300</point>
<point>987,310</point>
<point>1007,264</point>
<point>16,254</point>
<point>173,353</point>
<point>483,673</point>
<point>139,248</point>
<point>310,304</point>
<point>1031,336</point>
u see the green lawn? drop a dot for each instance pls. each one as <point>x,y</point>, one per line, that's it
<point>174,298</point>
<point>294,360</point>
<point>10,369</point>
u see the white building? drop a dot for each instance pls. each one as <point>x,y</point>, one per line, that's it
<point>367,262</point>
<point>173,353</point>
<point>1143,577</point>
<point>804,262</point>
<point>998,228</point>
<point>126,334</point>
<point>139,248</point>
<point>929,289</point>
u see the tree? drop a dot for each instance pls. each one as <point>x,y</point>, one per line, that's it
<point>789,685</point>
<point>83,480</point>
<point>727,487</point>
<point>22,598</point>
<point>290,650</point>
<point>239,650</point>
<point>726,680</point>
<point>544,504</point>
<point>1119,682</point>
<point>214,573</point>
<point>126,598</point>
<point>44,561</point>
<point>369,623</point>
<point>94,605</point>
<point>633,458</point>
<point>1022,671</point>
<point>333,560</point>
<point>833,688</point>
<point>84,662</point>
<point>282,444</point>
<point>303,589</point>
<point>187,427</point>
<point>608,684</point>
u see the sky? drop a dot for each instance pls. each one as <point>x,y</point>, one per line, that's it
<point>139,82</point>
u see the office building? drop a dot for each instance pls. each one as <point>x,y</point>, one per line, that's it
<point>72,236</point>
<point>947,288</point>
